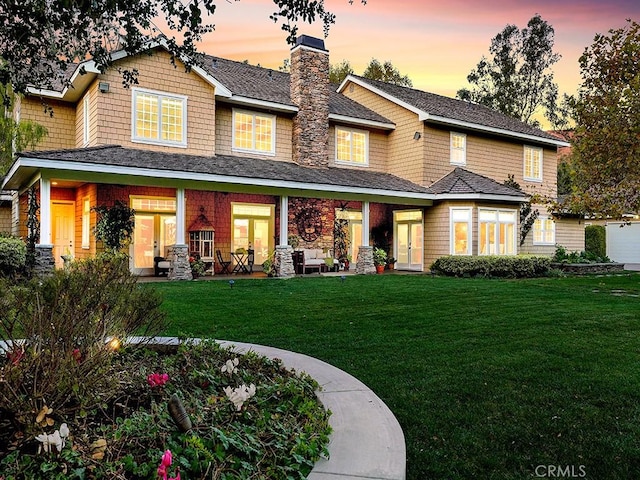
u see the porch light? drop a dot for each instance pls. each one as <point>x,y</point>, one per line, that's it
<point>417,136</point>
<point>103,87</point>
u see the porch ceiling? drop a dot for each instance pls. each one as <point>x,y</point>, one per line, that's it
<point>115,164</point>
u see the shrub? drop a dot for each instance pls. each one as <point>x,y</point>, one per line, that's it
<point>492,266</point>
<point>59,333</point>
<point>563,256</point>
<point>595,240</point>
<point>13,256</point>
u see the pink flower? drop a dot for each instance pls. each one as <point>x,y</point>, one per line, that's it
<point>157,379</point>
<point>165,463</point>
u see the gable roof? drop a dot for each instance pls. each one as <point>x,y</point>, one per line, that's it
<point>450,111</point>
<point>235,82</point>
<point>217,170</point>
<point>251,84</point>
<point>461,183</point>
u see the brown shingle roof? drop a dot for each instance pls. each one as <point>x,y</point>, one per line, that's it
<point>231,166</point>
<point>265,84</point>
<point>454,109</point>
<point>464,182</point>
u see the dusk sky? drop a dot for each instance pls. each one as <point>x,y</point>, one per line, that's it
<point>435,43</point>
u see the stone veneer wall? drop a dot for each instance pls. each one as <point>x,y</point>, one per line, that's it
<point>310,92</point>
<point>179,258</point>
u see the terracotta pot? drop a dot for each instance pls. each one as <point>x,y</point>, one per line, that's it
<point>379,268</point>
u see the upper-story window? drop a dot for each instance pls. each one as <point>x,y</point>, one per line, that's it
<point>254,132</point>
<point>533,163</point>
<point>159,118</point>
<point>352,146</point>
<point>458,148</point>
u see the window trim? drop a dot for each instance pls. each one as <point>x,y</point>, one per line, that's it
<point>86,223</point>
<point>271,117</point>
<point>366,147</point>
<point>160,95</point>
<point>85,120</point>
<point>498,223</point>
<point>463,162</point>
<point>526,176</point>
<point>543,231</point>
<point>452,240</point>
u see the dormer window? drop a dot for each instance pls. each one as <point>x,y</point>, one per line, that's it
<point>159,118</point>
<point>458,148</point>
<point>352,146</point>
<point>254,132</point>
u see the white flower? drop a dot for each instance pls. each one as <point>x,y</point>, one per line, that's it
<point>55,439</point>
<point>239,395</point>
<point>230,366</point>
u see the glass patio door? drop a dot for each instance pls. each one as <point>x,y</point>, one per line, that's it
<point>151,235</point>
<point>408,240</point>
<point>253,228</point>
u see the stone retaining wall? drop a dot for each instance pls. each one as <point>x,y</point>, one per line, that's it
<point>589,268</point>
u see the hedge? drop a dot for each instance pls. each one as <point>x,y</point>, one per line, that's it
<point>492,266</point>
<point>13,255</point>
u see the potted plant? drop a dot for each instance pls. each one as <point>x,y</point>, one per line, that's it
<point>391,263</point>
<point>379,259</point>
<point>197,266</point>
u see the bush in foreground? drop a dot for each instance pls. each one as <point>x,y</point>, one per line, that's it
<point>492,266</point>
<point>13,255</point>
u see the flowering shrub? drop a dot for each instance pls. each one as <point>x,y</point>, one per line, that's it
<point>270,426</point>
<point>157,379</point>
<point>197,266</point>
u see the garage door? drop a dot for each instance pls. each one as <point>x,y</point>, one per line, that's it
<point>623,243</point>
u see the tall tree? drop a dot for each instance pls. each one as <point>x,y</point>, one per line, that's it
<point>340,71</point>
<point>386,72</point>
<point>40,38</point>
<point>375,70</point>
<point>517,80</point>
<point>606,145</point>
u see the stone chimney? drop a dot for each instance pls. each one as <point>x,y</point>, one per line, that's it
<point>310,92</point>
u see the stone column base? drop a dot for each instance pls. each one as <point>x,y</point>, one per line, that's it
<point>283,261</point>
<point>364,265</point>
<point>179,258</point>
<point>45,264</point>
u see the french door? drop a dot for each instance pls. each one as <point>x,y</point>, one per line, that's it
<point>153,232</point>
<point>409,240</point>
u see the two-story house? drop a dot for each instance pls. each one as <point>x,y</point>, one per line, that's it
<point>229,155</point>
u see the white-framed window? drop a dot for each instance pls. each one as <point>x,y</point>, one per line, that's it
<point>158,118</point>
<point>86,222</point>
<point>85,120</point>
<point>497,231</point>
<point>544,231</point>
<point>352,146</point>
<point>254,132</point>
<point>460,226</point>
<point>458,148</point>
<point>533,163</point>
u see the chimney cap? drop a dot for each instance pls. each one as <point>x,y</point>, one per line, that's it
<point>308,41</point>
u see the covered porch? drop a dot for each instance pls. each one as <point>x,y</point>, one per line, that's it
<point>206,206</point>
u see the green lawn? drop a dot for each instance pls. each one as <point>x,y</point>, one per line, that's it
<point>488,378</point>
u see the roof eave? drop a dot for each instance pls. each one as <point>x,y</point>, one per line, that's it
<point>361,122</point>
<point>93,168</point>
<point>498,131</point>
<point>481,196</point>
<point>253,102</point>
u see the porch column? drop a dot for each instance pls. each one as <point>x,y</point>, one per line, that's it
<point>282,259</point>
<point>179,253</point>
<point>365,265</point>
<point>44,261</point>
